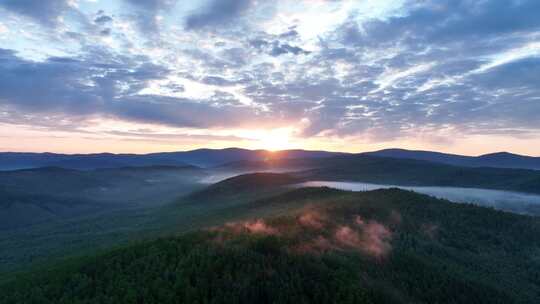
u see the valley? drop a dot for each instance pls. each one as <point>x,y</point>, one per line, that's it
<point>78,214</point>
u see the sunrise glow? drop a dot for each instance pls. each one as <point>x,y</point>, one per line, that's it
<point>124,76</point>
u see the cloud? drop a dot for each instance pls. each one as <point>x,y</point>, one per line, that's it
<point>150,135</point>
<point>103,19</point>
<point>44,12</point>
<point>217,12</point>
<point>276,47</point>
<point>105,32</point>
<point>83,87</point>
<point>216,80</point>
<point>447,21</point>
<point>421,69</point>
<point>291,33</point>
<point>146,13</point>
<point>280,49</point>
<point>431,68</point>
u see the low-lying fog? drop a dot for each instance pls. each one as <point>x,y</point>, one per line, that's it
<point>504,200</point>
<point>218,176</point>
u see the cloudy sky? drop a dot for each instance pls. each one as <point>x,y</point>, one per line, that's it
<point>163,75</point>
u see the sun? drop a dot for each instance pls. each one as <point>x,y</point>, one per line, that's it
<point>274,143</point>
<point>275,140</point>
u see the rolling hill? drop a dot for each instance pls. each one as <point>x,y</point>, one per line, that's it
<point>117,184</point>
<point>32,196</point>
<point>252,183</point>
<point>385,246</point>
<point>22,210</point>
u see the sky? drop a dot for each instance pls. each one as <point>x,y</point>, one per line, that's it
<point>82,76</point>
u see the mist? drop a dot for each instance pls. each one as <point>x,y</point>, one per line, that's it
<point>515,202</point>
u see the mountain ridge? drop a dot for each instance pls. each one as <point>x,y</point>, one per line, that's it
<point>207,158</point>
<point>496,159</point>
<point>200,157</point>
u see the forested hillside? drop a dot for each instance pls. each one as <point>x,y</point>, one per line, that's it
<point>385,246</point>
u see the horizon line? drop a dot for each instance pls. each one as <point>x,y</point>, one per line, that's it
<point>268,151</point>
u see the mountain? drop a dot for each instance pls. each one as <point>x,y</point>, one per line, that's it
<point>200,157</point>
<point>507,160</point>
<point>399,171</point>
<point>14,160</point>
<point>385,246</point>
<point>208,158</point>
<point>496,160</point>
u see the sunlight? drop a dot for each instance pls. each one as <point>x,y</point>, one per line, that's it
<point>275,140</point>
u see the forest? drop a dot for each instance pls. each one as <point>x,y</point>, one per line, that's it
<point>383,246</point>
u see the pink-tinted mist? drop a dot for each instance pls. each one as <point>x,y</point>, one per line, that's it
<point>312,219</point>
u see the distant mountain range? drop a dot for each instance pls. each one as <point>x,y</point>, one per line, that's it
<point>199,157</point>
<point>496,160</point>
<point>217,157</point>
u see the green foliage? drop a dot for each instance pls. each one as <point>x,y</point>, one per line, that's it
<point>440,252</point>
<point>193,270</point>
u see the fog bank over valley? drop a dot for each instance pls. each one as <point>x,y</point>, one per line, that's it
<point>503,200</point>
